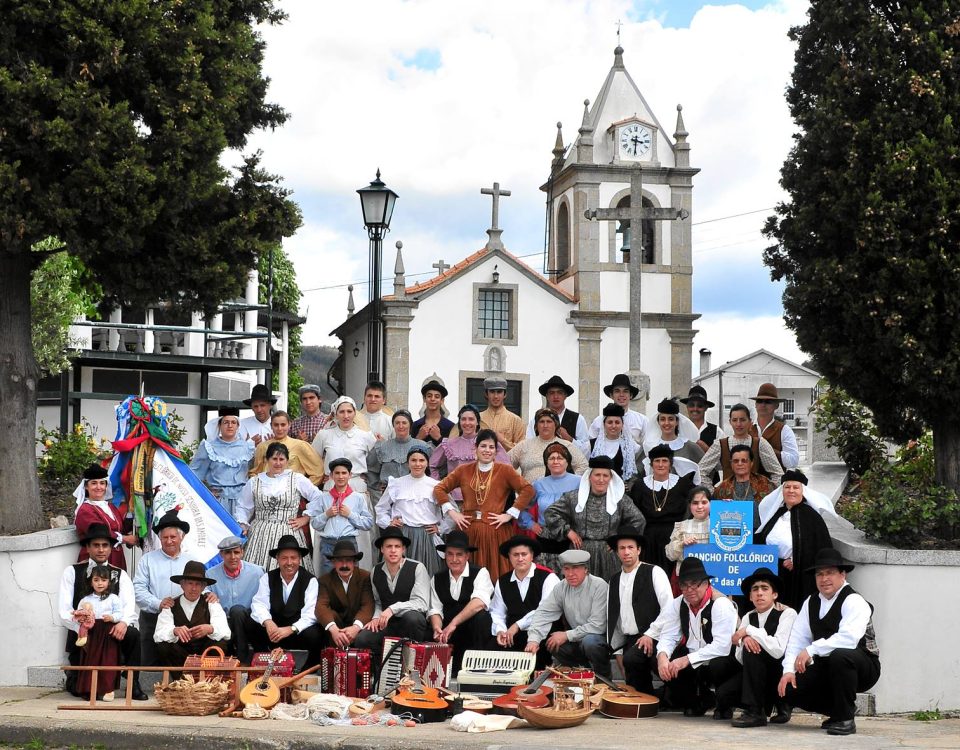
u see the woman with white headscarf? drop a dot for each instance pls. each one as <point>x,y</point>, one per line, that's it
<point>591,513</point>
<point>677,432</point>
<point>615,443</point>
<point>93,506</point>
<point>345,440</point>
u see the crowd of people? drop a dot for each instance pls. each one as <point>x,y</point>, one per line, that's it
<point>552,537</point>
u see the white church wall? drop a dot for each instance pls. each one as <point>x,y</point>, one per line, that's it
<point>615,358</point>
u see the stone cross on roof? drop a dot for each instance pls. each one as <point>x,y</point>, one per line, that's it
<point>494,232</point>
<point>440,266</point>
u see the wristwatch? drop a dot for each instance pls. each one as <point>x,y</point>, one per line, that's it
<point>294,629</point>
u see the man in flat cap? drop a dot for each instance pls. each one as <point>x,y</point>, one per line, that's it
<point>573,426</point>
<point>311,419</point>
<point>236,583</point>
<point>696,633</point>
<point>192,624</point>
<point>581,599</point>
<point>152,586</point>
<point>509,427</point>
<point>832,653</point>
<point>344,595</point>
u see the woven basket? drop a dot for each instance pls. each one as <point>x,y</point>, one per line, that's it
<point>189,698</point>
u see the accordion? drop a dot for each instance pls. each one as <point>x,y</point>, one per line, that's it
<point>345,671</point>
<point>282,667</point>
<point>433,660</point>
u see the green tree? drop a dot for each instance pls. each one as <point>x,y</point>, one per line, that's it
<point>868,241</point>
<point>115,116</point>
<point>286,298</point>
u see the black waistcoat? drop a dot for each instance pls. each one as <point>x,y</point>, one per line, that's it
<point>287,614</point>
<point>510,591</point>
<point>706,622</point>
<point>401,592</point>
<point>646,607</point>
<point>453,607</point>
<point>773,619</point>
<point>709,434</point>
<point>201,613</point>
<point>829,624</point>
<point>569,422</point>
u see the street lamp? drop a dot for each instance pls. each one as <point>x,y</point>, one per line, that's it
<point>377,202</point>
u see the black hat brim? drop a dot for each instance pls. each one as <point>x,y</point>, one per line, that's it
<point>615,538</point>
<point>203,580</point>
<point>519,541</point>
<point>608,390</point>
<point>276,551</point>
<point>378,542</point>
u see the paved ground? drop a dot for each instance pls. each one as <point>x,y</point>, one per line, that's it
<point>31,713</point>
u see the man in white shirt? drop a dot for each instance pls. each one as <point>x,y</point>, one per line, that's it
<point>459,599</point>
<point>622,391</point>
<point>696,633</point>
<point>573,426</point>
<point>765,460</point>
<point>637,595</point>
<point>832,653</point>
<point>760,642</point>
<point>257,427</point>
<point>375,416</point>
<point>776,432</point>
<point>192,624</point>
<point>99,542</point>
<point>284,608</point>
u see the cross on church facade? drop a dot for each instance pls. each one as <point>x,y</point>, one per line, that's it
<point>494,232</point>
<point>636,214</point>
<point>441,267</point>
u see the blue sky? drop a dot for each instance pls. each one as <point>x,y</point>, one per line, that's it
<point>679,13</point>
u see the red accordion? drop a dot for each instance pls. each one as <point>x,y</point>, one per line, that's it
<point>282,667</point>
<point>433,660</point>
<point>345,671</point>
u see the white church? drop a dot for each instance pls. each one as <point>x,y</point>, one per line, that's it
<point>617,298</point>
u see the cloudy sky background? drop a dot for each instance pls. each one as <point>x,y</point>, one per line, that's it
<point>446,97</point>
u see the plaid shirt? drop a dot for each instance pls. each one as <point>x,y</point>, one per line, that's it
<point>307,427</point>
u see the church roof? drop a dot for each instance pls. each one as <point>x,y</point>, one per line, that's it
<point>428,287</point>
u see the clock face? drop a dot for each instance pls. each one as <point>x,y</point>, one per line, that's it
<point>635,140</point>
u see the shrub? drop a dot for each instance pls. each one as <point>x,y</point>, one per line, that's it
<point>66,455</point>
<point>850,429</point>
<point>902,504</point>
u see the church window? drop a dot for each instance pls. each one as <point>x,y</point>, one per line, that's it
<point>563,240</point>
<point>495,314</point>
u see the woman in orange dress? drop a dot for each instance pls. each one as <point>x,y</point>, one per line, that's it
<point>485,516</point>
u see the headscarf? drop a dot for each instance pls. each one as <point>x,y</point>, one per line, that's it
<point>615,492</point>
<point>603,446</point>
<point>816,500</point>
<point>336,405</point>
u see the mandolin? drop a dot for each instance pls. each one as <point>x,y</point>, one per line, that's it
<point>534,695</point>
<point>424,703</point>
<point>623,702</point>
<point>263,691</point>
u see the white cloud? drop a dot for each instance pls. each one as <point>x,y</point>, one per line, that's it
<point>508,71</point>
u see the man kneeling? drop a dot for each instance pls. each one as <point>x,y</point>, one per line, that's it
<point>192,624</point>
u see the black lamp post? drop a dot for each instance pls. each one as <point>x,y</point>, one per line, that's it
<point>377,201</point>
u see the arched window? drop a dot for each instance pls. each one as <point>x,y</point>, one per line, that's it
<point>563,239</point>
<point>648,232</point>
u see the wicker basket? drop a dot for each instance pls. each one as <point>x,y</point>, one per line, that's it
<point>549,718</point>
<point>187,697</point>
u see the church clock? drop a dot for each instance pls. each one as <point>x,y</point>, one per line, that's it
<point>635,141</point>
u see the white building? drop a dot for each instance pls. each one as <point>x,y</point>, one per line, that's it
<point>737,381</point>
<point>492,313</point>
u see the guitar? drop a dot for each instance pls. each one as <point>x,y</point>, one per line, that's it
<point>424,703</point>
<point>623,702</point>
<point>263,691</point>
<point>534,695</point>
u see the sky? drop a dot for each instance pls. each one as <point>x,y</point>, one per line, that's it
<point>447,97</point>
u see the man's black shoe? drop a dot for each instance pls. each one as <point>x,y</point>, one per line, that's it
<point>749,719</point>
<point>849,726</point>
<point>722,714</point>
<point>138,694</point>
<point>782,714</point>
<point>695,711</point>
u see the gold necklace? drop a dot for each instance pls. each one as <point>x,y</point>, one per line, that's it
<point>659,506</point>
<point>481,484</point>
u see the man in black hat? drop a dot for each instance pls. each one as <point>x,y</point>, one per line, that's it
<point>344,596</point>
<point>517,595</point>
<point>760,643</point>
<point>637,595</point>
<point>284,608</point>
<point>832,653</point>
<point>192,624</point>
<point>695,639</point>
<point>621,391</point>
<point>401,593</point>
<point>257,427</point>
<point>460,597</point>
<point>573,426</point>
<point>152,586</point>
<point>98,542</point>
<point>697,404</point>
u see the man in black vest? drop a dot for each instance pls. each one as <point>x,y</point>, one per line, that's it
<point>401,593</point>
<point>832,654</point>
<point>517,595</point>
<point>760,643</point>
<point>284,608</point>
<point>695,640</point>
<point>459,598</point>
<point>573,426</point>
<point>637,595</point>
<point>192,624</point>
<point>697,404</point>
<point>73,587</point>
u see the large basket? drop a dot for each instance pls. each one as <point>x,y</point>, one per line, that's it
<point>206,661</point>
<point>187,697</point>
<point>548,718</point>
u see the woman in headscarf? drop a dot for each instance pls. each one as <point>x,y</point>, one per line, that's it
<point>487,512</point>
<point>221,462</point>
<point>589,514</point>
<point>791,518</point>
<point>680,435</point>
<point>661,496</point>
<point>527,455</point>
<point>615,443</point>
<point>407,503</point>
<point>93,506</point>
<point>559,478</point>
